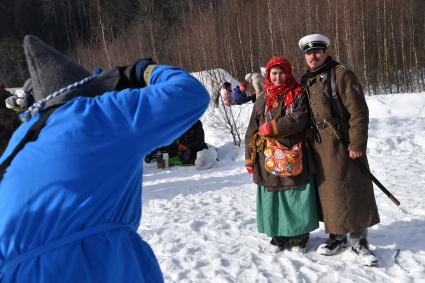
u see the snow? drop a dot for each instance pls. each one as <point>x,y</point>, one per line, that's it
<point>213,79</point>
<point>201,224</point>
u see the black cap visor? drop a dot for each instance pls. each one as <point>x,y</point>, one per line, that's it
<point>314,45</point>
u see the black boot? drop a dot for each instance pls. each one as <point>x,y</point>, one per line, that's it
<point>299,243</point>
<point>278,244</point>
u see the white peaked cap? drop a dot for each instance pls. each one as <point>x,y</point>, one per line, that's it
<point>313,42</point>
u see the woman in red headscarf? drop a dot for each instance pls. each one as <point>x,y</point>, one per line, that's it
<point>286,203</point>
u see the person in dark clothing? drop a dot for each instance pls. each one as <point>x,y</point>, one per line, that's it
<point>240,95</point>
<point>192,141</point>
<point>9,121</point>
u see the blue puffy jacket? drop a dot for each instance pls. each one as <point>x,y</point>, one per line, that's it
<point>70,202</point>
<point>240,97</point>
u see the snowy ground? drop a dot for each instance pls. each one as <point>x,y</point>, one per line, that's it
<point>202,225</point>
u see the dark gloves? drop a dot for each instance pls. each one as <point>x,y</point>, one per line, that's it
<point>140,68</point>
<point>136,75</point>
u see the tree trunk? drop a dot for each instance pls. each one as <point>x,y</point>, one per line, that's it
<point>418,74</point>
<point>347,33</point>
<point>336,31</point>
<point>102,29</point>
<point>394,48</point>
<point>365,76</point>
<point>270,24</point>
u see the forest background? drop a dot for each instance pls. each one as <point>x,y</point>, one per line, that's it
<point>381,40</point>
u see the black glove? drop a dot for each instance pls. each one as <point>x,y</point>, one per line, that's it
<point>131,76</point>
<point>134,73</point>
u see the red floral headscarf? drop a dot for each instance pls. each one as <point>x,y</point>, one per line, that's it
<point>289,89</point>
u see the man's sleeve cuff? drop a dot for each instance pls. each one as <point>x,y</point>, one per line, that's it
<point>249,163</point>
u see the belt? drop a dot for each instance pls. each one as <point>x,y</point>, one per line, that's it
<point>321,125</point>
<point>102,228</point>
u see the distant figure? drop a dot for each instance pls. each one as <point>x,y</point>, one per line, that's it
<point>9,120</point>
<point>22,99</point>
<point>226,94</point>
<point>256,80</point>
<point>240,94</point>
<point>192,141</point>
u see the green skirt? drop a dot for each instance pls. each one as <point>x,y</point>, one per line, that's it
<point>287,213</point>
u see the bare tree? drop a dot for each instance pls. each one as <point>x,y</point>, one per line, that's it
<point>381,40</point>
<point>225,119</point>
<point>270,24</point>
<point>102,28</point>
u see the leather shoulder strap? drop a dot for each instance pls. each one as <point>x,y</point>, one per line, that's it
<point>340,109</point>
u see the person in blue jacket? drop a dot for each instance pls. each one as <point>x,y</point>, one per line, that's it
<point>70,201</point>
<point>240,95</point>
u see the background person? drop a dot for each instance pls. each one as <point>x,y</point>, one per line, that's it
<point>226,94</point>
<point>192,141</point>
<point>256,80</point>
<point>241,95</point>
<point>9,121</point>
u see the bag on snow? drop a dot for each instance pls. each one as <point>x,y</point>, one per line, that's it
<point>206,159</point>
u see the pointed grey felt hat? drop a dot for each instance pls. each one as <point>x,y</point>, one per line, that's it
<point>49,69</point>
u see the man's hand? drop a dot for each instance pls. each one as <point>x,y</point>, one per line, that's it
<point>354,154</point>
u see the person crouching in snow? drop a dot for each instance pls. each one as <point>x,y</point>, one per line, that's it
<point>286,203</point>
<point>70,199</point>
<point>192,141</point>
<point>240,95</point>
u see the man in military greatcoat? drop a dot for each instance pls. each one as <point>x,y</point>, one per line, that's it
<point>338,108</point>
